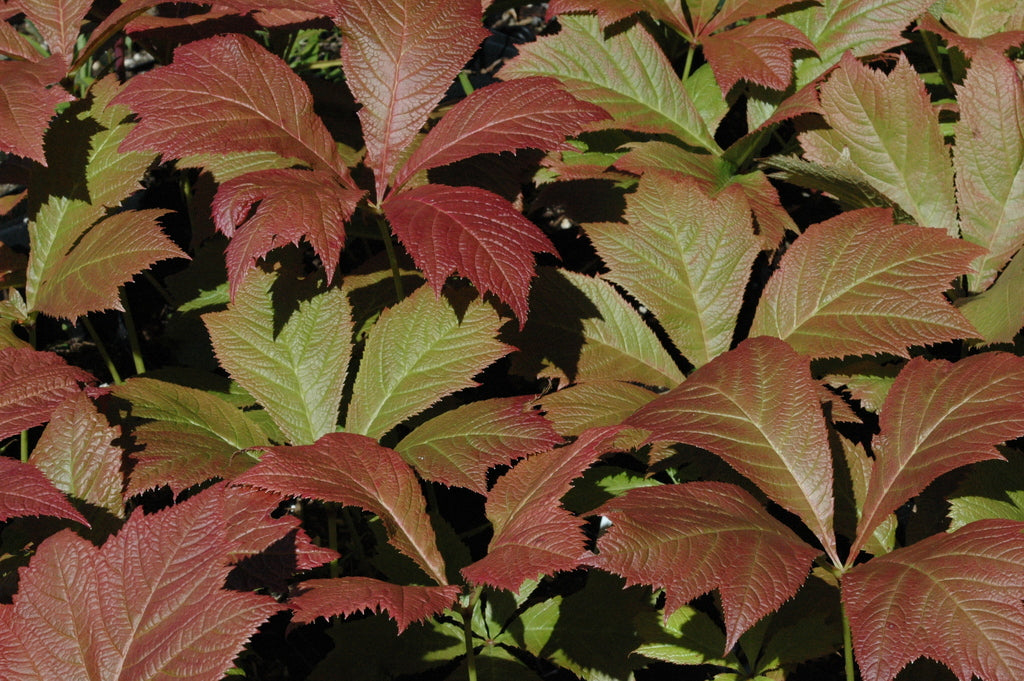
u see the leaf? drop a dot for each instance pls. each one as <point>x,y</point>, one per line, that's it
<point>88,278</point>
<point>148,604</point>
<point>399,59</point>
<point>731,407</point>
<point>296,368</point>
<point>216,98</point>
<point>627,75</point>
<point>57,22</point>
<point>527,113</point>
<point>26,491</point>
<point>32,385</point>
<point>592,404</point>
<point>998,313</point>
<point>580,329</point>
<point>354,470</point>
<point>13,44</point>
<point>87,178</point>
<point>472,231</point>
<point>758,52</point>
<point>458,447</point>
<point>26,107</point>
<point>612,11</point>
<point>989,162</point>
<point>979,18</point>
<point>892,132</point>
<point>937,417</point>
<point>418,352</point>
<point>533,534</point>
<point>347,595</point>
<point>688,636</point>
<point>991,489</point>
<point>954,598</point>
<point>194,435</point>
<point>76,452</point>
<point>857,284</point>
<point>278,206</point>
<point>683,255</point>
<point>698,536</point>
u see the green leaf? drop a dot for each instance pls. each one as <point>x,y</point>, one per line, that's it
<point>685,256</point>
<point>295,367</point>
<point>460,446</point>
<point>627,75</point>
<point>981,18</point>
<point>688,637</point>
<point>998,313</point>
<point>887,125</point>
<point>992,489</point>
<point>857,284</point>
<point>194,436</point>
<point>592,404</point>
<point>419,351</point>
<point>989,161</point>
<point>580,328</point>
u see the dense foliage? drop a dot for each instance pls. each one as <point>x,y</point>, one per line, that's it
<point>630,340</point>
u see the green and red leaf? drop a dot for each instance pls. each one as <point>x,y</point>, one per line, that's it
<point>26,491</point>
<point>27,104</point>
<point>32,385</point>
<point>689,539</point>
<point>758,52</point>
<point>347,595</point>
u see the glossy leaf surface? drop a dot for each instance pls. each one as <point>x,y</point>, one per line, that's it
<point>684,256</point>
<point>627,75</point>
<point>458,447</point>
<point>148,604</point>
<point>418,352</point>
<point>857,284</point>
<point>757,407</point>
<point>26,107</point>
<point>32,385</point>
<point>216,98</point>
<point>296,369</point>
<point>26,491</point>
<point>758,52</point>
<point>533,534</point>
<point>399,60</point>
<point>525,113</point>
<point>76,452</point>
<point>347,595</point>
<point>955,598</point>
<point>354,470</point>
<point>472,231</point>
<point>937,417</point>
<point>695,537</point>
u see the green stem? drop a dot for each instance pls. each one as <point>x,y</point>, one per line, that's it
<point>389,246</point>
<point>933,54</point>
<point>24,446</point>
<point>103,350</point>
<point>467,87</point>
<point>689,61</point>
<point>133,335</point>
<point>467,632</point>
<point>851,673</point>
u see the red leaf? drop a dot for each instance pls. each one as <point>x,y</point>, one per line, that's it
<point>611,11</point>
<point>758,52</point>
<point>12,43</point>
<point>32,385</point>
<point>77,454</point>
<point>533,534</point>
<point>354,470</point>
<point>733,406</point>
<point>937,417</point>
<point>406,604</point>
<point>997,42</point>
<point>26,107</point>
<point>699,536</point>
<point>954,598</point>
<point>399,60</point>
<point>290,205</point>
<point>26,491</point>
<point>226,95</point>
<point>531,112</point>
<point>472,231</point>
<point>58,22</point>
<point>148,604</point>
<point>460,446</point>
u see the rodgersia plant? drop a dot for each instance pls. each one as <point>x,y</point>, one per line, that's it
<point>377,401</point>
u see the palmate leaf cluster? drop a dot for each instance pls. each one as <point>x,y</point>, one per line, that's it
<point>395,406</point>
